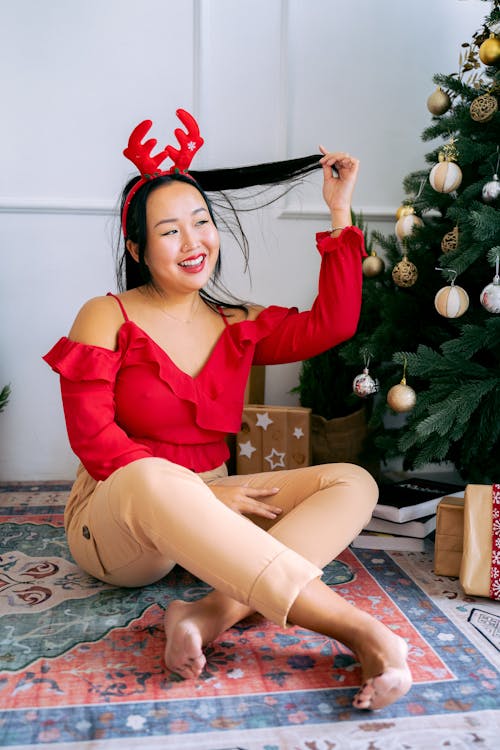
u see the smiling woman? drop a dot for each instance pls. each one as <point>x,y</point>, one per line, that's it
<point>153,380</point>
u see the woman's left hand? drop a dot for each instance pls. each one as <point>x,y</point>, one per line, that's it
<point>338,191</point>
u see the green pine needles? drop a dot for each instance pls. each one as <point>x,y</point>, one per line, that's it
<point>453,364</point>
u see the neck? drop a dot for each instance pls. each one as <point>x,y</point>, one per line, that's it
<point>182,308</point>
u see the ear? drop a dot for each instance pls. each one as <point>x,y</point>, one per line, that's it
<point>133,249</point>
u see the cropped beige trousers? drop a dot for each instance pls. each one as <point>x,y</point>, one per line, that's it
<point>132,528</point>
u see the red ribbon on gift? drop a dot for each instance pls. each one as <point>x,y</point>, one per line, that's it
<point>495,544</point>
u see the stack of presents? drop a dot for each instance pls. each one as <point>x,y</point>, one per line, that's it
<point>467,540</point>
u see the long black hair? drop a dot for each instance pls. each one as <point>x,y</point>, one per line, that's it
<point>217,187</point>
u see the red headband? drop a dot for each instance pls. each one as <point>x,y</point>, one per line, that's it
<point>140,154</point>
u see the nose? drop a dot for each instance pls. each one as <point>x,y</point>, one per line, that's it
<point>190,241</point>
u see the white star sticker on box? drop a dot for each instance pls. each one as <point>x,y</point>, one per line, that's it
<point>246,449</point>
<point>275,464</point>
<point>298,432</point>
<point>263,420</point>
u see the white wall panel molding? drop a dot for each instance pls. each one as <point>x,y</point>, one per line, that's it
<point>57,206</point>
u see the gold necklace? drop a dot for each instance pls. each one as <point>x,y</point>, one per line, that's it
<point>183,320</point>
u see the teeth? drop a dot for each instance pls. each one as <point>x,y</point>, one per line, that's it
<point>194,262</point>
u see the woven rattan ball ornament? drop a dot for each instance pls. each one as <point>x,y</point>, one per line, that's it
<point>451,301</point>
<point>489,51</point>
<point>438,102</point>
<point>445,177</point>
<point>483,108</point>
<point>373,265</point>
<point>404,273</point>
<point>450,241</point>
<point>406,225</point>
<point>401,398</point>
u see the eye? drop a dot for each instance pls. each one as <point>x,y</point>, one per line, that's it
<point>169,232</point>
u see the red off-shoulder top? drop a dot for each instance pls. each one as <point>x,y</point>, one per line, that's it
<point>134,402</point>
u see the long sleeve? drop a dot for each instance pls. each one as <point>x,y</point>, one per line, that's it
<point>334,315</point>
<point>87,376</point>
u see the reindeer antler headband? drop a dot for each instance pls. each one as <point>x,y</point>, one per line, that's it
<point>140,154</point>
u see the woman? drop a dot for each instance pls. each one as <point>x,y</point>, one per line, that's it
<point>152,381</point>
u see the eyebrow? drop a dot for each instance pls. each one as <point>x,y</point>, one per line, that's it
<point>173,220</point>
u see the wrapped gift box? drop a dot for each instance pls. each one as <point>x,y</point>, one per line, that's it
<point>480,567</point>
<point>273,438</point>
<point>449,540</point>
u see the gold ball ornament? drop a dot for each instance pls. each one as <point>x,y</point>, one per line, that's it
<point>483,108</point>
<point>445,177</point>
<point>401,398</point>
<point>439,102</point>
<point>373,265</point>
<point>404,273</point>
<point>404,210</point>
<point>406,225</point>
<point>489,51</point>
<point>451,301</point>
<point>450,241</point>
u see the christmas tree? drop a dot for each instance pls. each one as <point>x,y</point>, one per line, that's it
<point>431,312</point>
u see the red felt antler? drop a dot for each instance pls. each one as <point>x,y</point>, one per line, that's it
<point>189,142</point>
<point>140,153</point>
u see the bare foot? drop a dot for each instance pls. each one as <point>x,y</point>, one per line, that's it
<point>184,648</point>
<point>386,673</point>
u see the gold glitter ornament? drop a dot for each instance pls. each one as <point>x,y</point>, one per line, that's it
<point>483,108</point>
<point>404,273</point>
<point>373,265</point>
<point>401,398</point>
<point>489,51</point>
<point>450,241</point>
<point>439,102</point>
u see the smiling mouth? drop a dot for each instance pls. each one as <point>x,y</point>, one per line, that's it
<point>193,262</point>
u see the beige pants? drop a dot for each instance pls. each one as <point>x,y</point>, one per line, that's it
<point>131,529</point>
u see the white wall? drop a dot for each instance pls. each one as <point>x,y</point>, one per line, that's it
<point>266,79</point>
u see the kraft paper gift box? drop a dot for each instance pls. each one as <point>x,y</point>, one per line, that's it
<point>273,438</point>
<point>480,568</point>
<point>449,539</point>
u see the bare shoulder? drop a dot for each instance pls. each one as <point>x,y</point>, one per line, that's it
<point>254,311</point>
<point>98,323</point>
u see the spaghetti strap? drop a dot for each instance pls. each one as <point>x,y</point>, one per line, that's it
<point>221,312</point>
<point>110,294</point>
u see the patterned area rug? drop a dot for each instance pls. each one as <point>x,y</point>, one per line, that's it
<point>81,661</point>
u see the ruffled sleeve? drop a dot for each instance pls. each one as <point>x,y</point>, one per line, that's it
<point>334,315</point>
<point>88,375</point>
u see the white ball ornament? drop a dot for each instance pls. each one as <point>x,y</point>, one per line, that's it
<point>490,296</point>
<point>406,225</point>
<point>364,385</point>
<point>491,190</point>
<point>445,177</point>
<point>451,301</point>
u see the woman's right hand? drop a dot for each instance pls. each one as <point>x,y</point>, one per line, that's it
<point>247,501</point>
